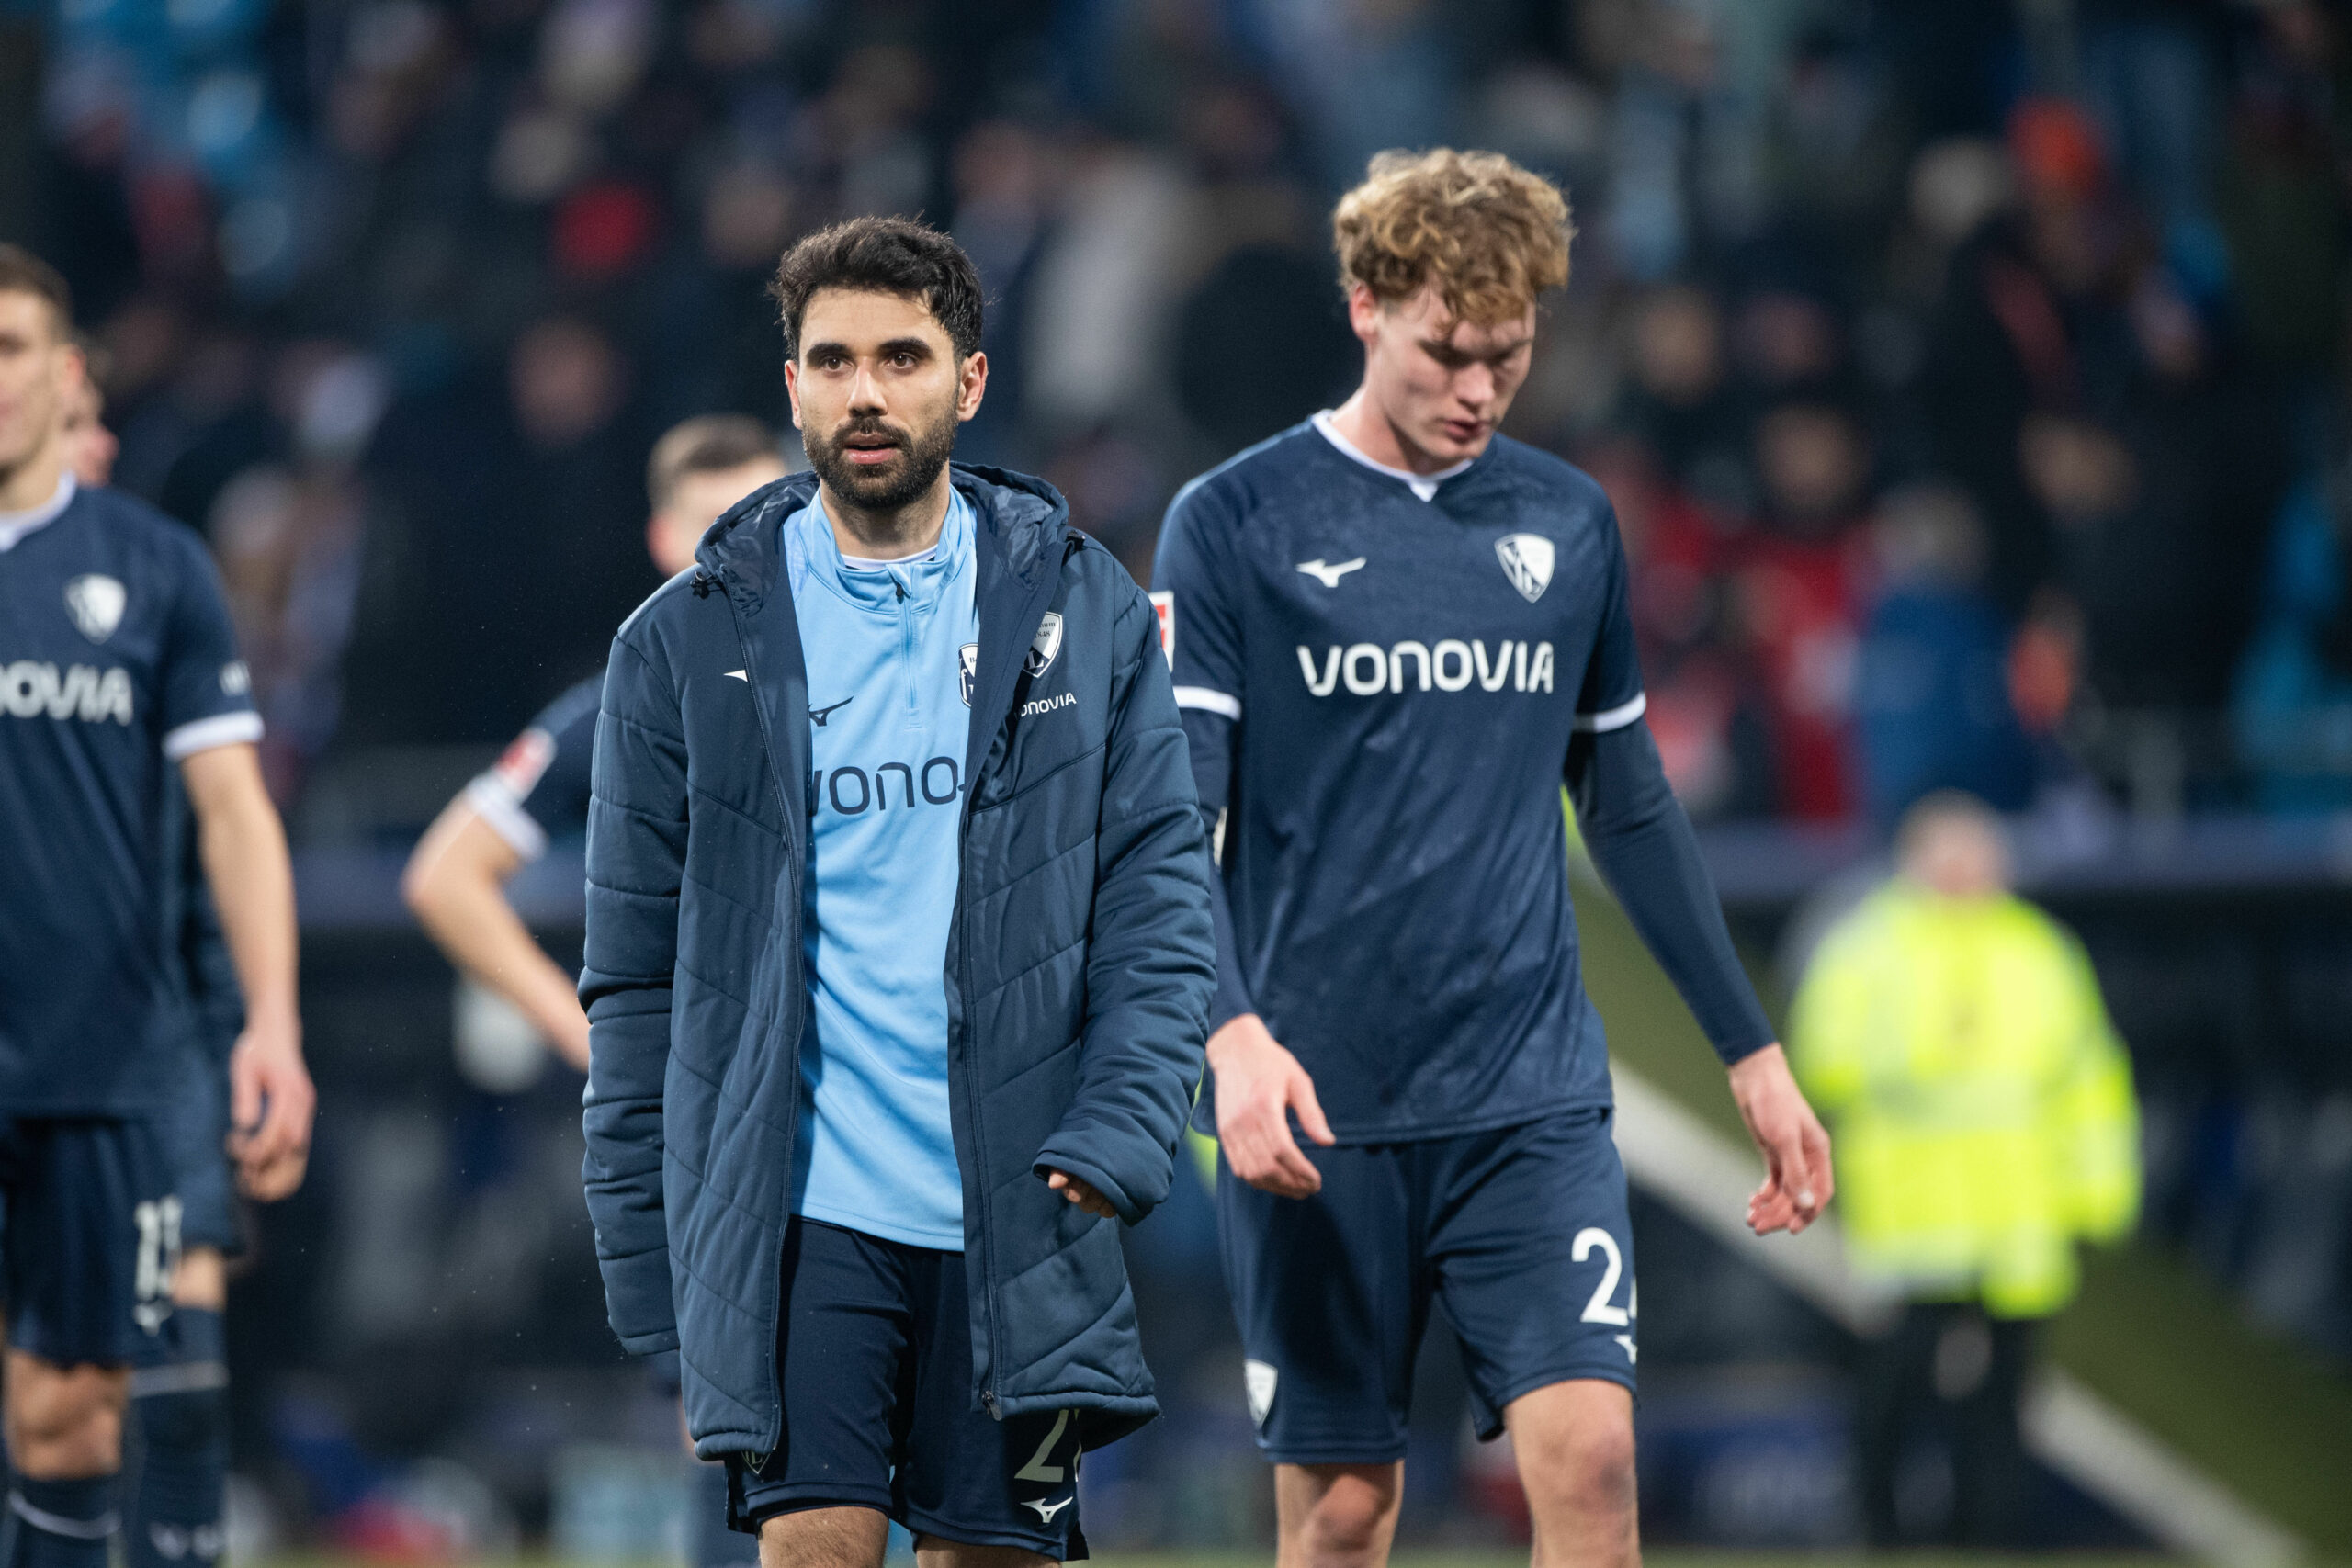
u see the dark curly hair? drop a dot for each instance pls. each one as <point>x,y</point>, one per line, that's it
<point>885,256</point>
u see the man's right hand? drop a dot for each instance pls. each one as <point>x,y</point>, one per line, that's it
<point>1259,1084</point>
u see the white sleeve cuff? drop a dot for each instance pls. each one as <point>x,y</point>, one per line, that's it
<point>1209,701</point>
<point>1617,718</point>
<point>203,734</point>
<point>495,804</point>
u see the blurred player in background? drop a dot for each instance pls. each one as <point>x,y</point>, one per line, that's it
<point>1955,1036</point>
<point>181,1400</point>
<point>1394,635</point>
<point>120,664</point>
<point>456,879</point>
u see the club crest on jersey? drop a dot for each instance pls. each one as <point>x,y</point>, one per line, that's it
<point>1527,561</point>
<point>1044,645</point>
<point>968,664</point>
<point>95,601</point>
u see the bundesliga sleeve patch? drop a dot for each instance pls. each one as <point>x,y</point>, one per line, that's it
<point>1163,605</point>
<point>522,765</point>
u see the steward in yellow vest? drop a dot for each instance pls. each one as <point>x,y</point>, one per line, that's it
<point>1953,1038</point>
<point>1956,1043</point>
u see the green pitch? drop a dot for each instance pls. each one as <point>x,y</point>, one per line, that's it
<point>1438,1560</point>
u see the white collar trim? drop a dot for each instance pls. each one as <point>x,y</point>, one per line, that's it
<point>14,525</point>
<point>1423,485</point>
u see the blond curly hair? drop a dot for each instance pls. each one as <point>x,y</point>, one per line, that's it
<point>1491,235</point>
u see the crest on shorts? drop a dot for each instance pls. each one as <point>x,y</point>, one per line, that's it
<point>1044,645</point>
<point>1527,561</point>
<point>1258,1378</point>
<point>95,601</point>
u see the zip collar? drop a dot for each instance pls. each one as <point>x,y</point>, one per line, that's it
<point>812,554</point>
<point>1020,531</point>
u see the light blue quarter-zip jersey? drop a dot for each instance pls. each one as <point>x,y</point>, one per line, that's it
<point>889,646</point>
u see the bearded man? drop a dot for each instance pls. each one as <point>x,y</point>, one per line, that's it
<point>899,956</point>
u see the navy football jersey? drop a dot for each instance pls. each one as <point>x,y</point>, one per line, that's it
<point>538,788</point>
<point>116,661</point>
<point>1405,659</point>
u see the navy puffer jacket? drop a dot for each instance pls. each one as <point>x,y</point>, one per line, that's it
<point>1078,966</point>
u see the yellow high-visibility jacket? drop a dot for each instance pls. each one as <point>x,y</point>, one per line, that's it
<point>1981,1104</point>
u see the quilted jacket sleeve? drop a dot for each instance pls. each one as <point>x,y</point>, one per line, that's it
<point>636,853</point>
<point>1151,965</point>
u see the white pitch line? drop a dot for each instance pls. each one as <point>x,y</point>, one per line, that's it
<point>1706,1178</point>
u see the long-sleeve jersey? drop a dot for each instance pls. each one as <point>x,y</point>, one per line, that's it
<point>1386,679</point>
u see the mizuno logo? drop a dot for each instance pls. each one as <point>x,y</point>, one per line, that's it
<point>743,675</point>
<point>1449,664</point>
<point>817,716</point>
<point>1046,1511</point>
<point>1328,576</point>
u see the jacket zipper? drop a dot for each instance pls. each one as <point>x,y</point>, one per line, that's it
<point>960,1085</point>
<point>988,1398</point>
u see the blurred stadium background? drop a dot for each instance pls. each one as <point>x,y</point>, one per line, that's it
<point>1969,379</point>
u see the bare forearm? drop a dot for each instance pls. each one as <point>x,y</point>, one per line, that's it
<point>473,924</point>
<point>251,877</point>
<point>456,884</point>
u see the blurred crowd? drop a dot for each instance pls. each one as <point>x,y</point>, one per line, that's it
<point>1965,375</point>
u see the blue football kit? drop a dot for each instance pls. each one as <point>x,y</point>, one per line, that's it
<point>1387,678</point>
<point>117,663</point>
<point>874,1346</point>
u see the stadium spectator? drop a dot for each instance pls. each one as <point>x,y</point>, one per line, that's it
<point>1933,707</point>
<point>1804,577</point>
<point>1704,712</point>
<point>1954,1037</point>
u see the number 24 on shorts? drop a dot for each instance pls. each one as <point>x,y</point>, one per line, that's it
<point>1591,1239</point>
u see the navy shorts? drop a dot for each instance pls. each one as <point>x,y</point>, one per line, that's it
<point>1518,1234</point>
<point>89,1235</point>
<point>874,1349</point>
<point>196,1134</point>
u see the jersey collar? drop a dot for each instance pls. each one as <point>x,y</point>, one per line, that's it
<point>878,585</point>
<point>1422,485</point>
<point>14,525</point>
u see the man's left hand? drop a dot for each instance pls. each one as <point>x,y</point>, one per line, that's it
<point>270,1105</point>
<point>1797,1180</point>
<point>1079,1193</point>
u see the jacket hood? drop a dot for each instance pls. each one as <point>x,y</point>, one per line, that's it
<point>1021,515</point>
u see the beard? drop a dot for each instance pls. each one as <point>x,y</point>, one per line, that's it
<point>899,484</point>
